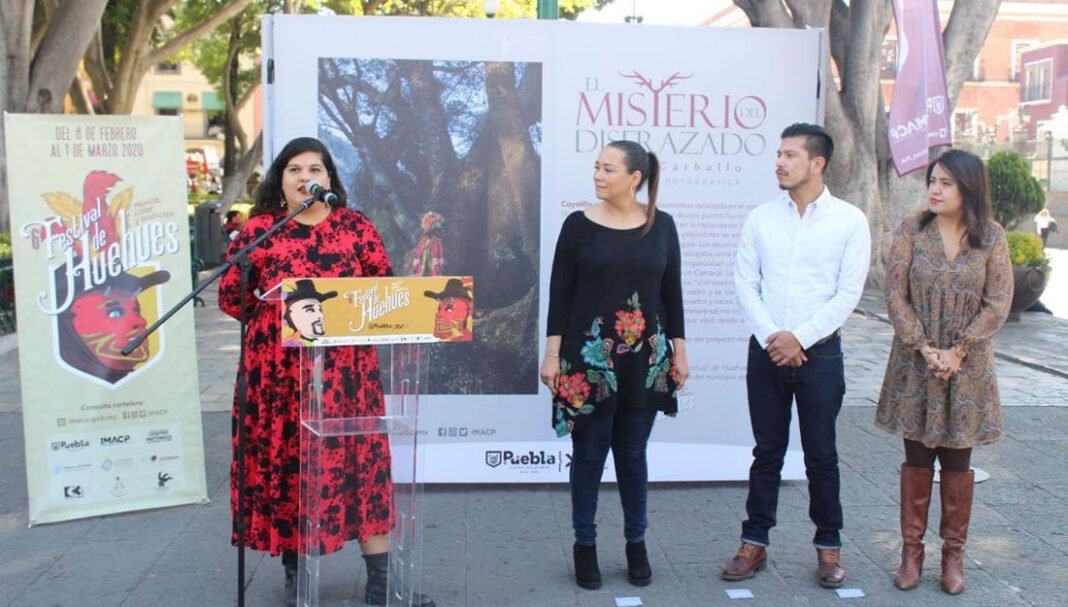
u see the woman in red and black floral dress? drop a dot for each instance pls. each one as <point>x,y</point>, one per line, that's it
<point>323,241</point>
<point>615,353</point>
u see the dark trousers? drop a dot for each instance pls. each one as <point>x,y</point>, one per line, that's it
<point>818,386</point>
<point>626,433</point>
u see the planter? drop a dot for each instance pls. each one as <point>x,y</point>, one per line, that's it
<point>1029,283</point>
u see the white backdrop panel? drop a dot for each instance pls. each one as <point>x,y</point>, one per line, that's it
<point>710,102</point>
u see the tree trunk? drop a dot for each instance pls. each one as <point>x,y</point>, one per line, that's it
<point>16,26</point>
<point>48,74</point>
<point>78,98</point>
<point>57,57</point>
<point>234,184</point>
<point>233,124</point>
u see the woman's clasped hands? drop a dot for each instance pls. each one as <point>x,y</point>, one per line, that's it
<point>944,364</point>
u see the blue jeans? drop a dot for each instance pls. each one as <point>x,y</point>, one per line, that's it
<point>626,432</point>
<point>818,386</point>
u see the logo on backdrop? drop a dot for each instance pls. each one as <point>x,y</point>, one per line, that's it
<point>162,479</point>
<point>527,461</point>
<point>101,278</point>
<point>159,436</point>
<point>669,117</point>
<point>69,446</point>
<point>464,431</point>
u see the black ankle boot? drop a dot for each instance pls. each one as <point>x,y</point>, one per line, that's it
<point>289,561</point>
<point>638,571</point>
<point>587,573</point>
<point>379,580</point>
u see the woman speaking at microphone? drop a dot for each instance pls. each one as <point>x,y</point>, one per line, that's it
<point>326,240</point>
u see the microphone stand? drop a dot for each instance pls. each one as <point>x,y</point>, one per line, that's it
<point>241,260</point>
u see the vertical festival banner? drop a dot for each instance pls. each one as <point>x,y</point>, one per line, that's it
<point>919,107</point>
<point>101,249</point>
<point>468,158</point>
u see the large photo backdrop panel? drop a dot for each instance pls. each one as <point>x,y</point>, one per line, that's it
<point>443,156</point>
<point>101,250</point>
<point>467,142</point>
<point>436,125</point>
<point>711,104</point>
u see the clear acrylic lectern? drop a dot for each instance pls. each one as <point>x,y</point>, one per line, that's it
<point>404,372</point>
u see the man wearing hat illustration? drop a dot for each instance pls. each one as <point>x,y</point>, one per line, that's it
<point>452,322</point>
<point>304,313</point>
<point>98,323</point>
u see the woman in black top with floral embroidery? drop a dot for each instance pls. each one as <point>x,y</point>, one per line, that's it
<point>615,352</point>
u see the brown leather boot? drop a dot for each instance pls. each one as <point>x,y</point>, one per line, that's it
<point>957,490</point>
<point>915,502</point>
<point>830,573</point>
<point>749,559</point>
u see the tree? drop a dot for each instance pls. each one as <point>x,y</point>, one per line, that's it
<point>42,46</point>
<point>1014,191</point>
<point>134,37</point>
<point>856,115</point>
<point>229,57</point>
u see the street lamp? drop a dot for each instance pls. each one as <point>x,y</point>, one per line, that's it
<point>491,7</point>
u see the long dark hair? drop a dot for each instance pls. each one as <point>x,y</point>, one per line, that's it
<point>969,172</point>
<point>635,158</point>
<point>269,192</point>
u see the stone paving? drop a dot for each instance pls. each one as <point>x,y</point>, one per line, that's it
<point>510,545</point>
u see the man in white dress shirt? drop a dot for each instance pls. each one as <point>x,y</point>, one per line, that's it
<point>801,266</point>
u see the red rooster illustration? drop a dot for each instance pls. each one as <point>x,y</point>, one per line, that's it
<point>79,218</point>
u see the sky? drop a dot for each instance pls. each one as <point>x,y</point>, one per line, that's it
<point>656,12</point>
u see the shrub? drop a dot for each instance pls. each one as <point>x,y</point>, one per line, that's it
<point>1025,249</point>
<point>1014,191</point>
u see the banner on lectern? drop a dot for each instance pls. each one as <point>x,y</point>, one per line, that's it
<point>363,311</point>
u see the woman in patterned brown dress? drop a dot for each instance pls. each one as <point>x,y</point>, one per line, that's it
<point>948,291</point>
<point>323,241</point>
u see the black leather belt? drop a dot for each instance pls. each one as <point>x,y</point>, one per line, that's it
<point>837,333</point>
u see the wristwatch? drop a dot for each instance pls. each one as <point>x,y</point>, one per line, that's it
<point>960,351</point>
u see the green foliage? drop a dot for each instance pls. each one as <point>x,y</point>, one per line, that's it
<point>1014,191</point>
<point>210,54</point>
<point>1025,249</point>
<point>114,27</point>
<point>5,245</point>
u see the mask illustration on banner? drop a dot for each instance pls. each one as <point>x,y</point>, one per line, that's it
<point>452,321</point>
<point>101,273</point>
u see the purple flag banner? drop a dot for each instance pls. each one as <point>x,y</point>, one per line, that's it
<point>919,108</point>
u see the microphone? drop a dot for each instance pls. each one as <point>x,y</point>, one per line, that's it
<point>317,190</point>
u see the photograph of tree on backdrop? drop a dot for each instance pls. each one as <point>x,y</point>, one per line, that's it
<point>445,158</point>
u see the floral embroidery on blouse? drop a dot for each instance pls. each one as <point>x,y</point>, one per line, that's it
<point>660,366</point>
<point>597,352</point>
<point>599,382</point>
<point>630,325</point>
